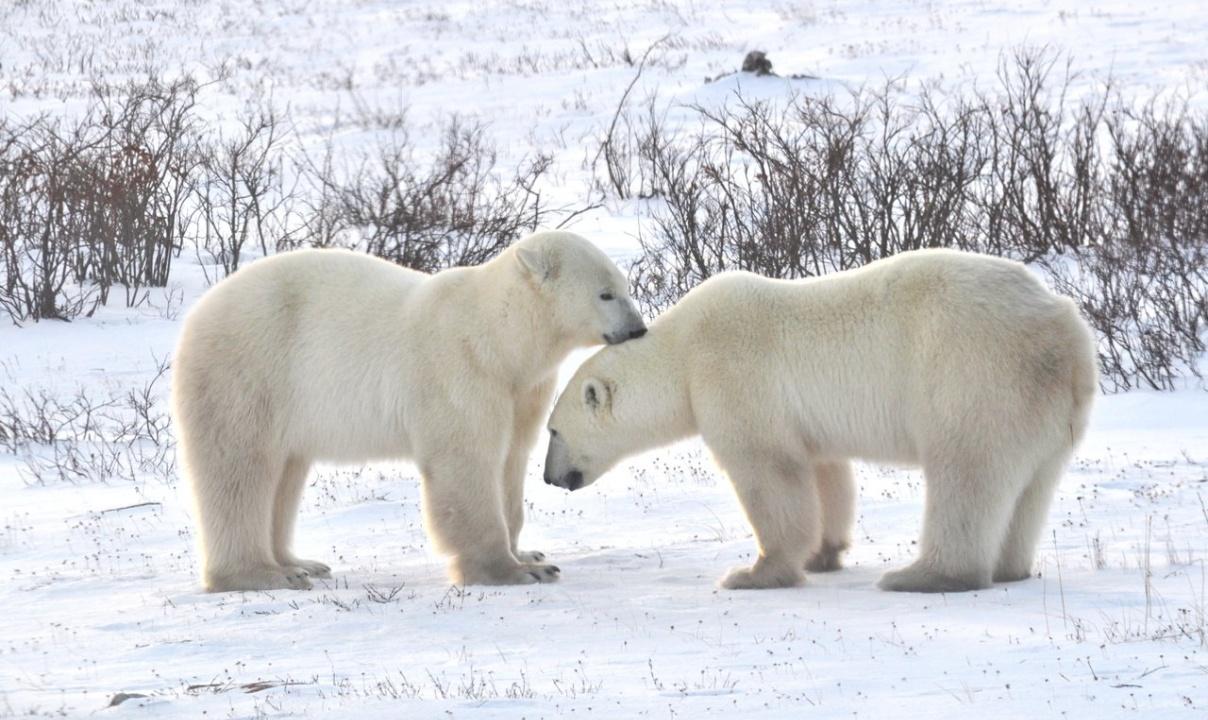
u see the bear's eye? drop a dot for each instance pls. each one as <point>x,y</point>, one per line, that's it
<point>606,296</point>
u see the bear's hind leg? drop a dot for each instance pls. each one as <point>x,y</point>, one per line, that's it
<point>1031,511</point>
<point>781,504</point>
<point>235,497</point>
<point>837,500</point>
<point>285,515</point>
<point>967,509</point>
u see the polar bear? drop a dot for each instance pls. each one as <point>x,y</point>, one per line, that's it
<point>962,363</point>
<point>334,356</point>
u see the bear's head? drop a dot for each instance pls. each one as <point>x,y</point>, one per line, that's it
<point>586,297</point>
<point>613,407</point>
<point>581,431</point>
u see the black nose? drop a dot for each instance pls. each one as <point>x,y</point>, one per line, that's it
<point>574,480</point>
<point>634,334</point>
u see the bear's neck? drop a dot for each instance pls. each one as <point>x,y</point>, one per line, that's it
<point>525,348</point>
<point>656,386</point>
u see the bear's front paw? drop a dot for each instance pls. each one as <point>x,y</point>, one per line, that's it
<point>297,577</point>
<point>261,577</point>
<point>313,568</point>
<point>530,556</point>
<point>925,579</point>
<point>518,574</point>
<point>763,575</point>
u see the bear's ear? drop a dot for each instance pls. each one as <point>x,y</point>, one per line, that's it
<point>596,395</point>
<point>538,263</point>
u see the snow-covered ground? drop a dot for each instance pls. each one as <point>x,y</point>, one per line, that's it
<point>99,590</point>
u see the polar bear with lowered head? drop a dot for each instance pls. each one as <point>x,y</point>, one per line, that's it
<point>962,363</point>
<point>334,356</point>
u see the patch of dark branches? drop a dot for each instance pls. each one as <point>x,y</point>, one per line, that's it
<point>108,200</point>
<point>1107,196</point>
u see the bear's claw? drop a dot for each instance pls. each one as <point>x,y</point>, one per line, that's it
<point>545,573</point>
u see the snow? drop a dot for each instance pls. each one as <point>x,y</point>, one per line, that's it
<point>99,578</point>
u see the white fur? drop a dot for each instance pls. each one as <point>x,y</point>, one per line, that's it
<point>333,356</point>
<point>961,363</point>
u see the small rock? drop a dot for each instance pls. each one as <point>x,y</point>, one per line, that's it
<point>757,62</point>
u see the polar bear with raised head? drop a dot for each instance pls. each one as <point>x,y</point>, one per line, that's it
<point>962,363</point>
<point>334,356</point>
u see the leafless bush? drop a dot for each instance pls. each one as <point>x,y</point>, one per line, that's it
<point>625,152</point>
<point>1144,282</point>
<point>241,196</point>
<point>321,221</point>
<point>452,210</point>
<point>630,161</point>
<point>110,198</point>
<point>84,438</point>
<point>144,177</point>
<point>40,236</point>
<point>95,202</point>
<point>40,418</point>
<point>1107,199</point>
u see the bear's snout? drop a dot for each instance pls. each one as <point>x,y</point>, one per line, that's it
<point>572,480</point>
<point>560,470</point>
<point>630,333</point>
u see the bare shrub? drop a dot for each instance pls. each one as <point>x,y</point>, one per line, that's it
<point>1144,282</point>
<point>241,196</point>
<point>94,202</point>
<point>143,178</point>
<point>1108,200</point>
<point>627,161</point>
<point>44,253</point>
<point>1044,163</point>
<point>321,220</point>
<point>818,185</point>
<point>452,210</point>
<point>111,198</point>
<point>624,150</point>
<point>82,438</point>
<point>38,417</point>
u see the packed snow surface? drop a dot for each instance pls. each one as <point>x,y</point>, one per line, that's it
<point>103,613</point>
